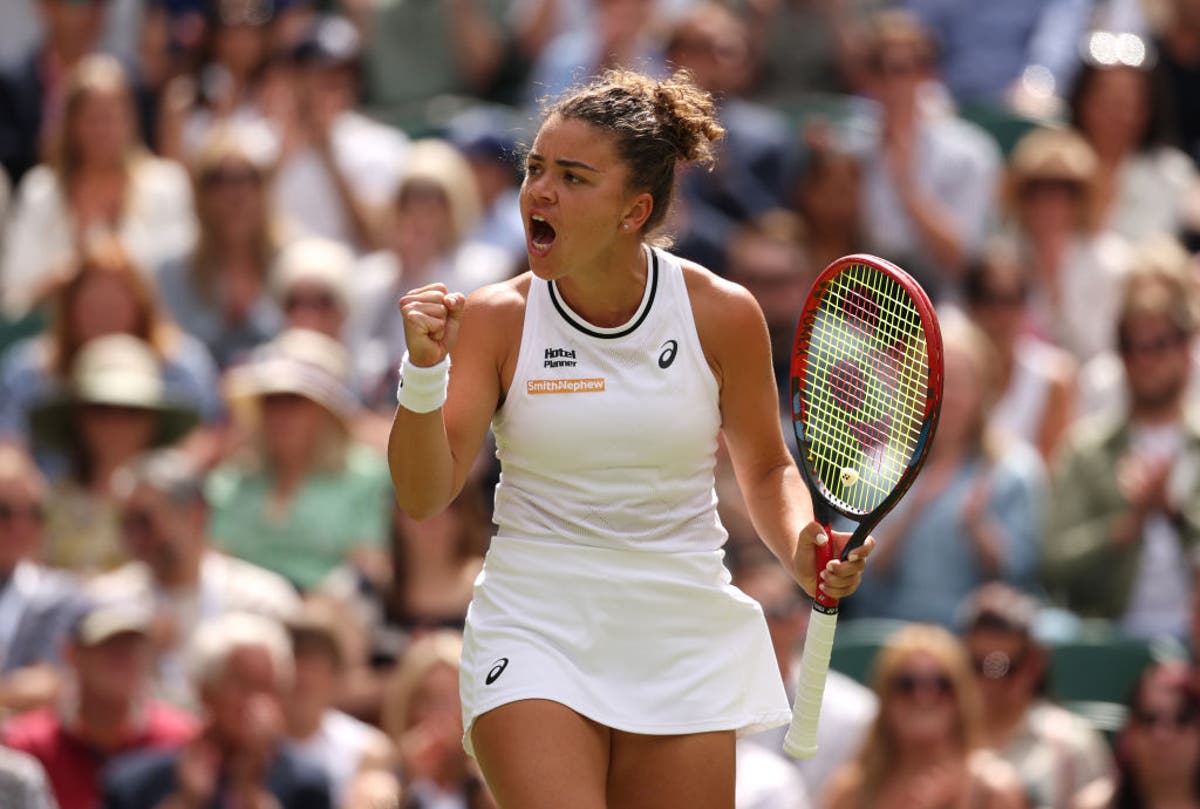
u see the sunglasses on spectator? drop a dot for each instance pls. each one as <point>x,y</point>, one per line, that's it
<point>11,512</point>
<point>1174,720</point>
<point>231,177</point>
<point>1155,347</point>
<point>998,665</point>
<point>907,684</point>
<point>322,301</point>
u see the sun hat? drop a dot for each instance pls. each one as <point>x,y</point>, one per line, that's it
<point>117,370</point>
<point>298,361</point>
<point>100,619</point>
<point>314,260</point>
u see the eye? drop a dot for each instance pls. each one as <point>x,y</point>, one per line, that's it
<point>572,178</point>
<point>533,169</point>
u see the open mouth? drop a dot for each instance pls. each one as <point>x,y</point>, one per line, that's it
<point>541,233</point>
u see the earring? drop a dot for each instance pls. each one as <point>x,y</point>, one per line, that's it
<point>625,226</point>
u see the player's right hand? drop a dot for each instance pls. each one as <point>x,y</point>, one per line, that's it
<point>431,318</point>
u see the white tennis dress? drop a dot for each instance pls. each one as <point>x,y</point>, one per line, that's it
<point>605,588</point>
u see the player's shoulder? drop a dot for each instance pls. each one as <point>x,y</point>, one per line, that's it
<point>717,299</point>
<point>503,300</point>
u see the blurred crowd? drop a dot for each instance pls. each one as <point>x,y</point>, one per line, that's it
<point>210,208</point>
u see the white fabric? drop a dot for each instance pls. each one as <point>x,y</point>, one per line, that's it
<point>1159,603</point>
<point>626,466</point>
<point>1080,314</point>
<point>653,643</point>
<point>1022,408</point>
<point>766,780</point>
<point>847,710</point>
<point>157,224</point>
<point>337,747</point>
<point>1154,189</point>
<point>370,156</point>
<point>605,589</point>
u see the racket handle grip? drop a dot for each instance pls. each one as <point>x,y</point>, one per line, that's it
<point>801,738</point>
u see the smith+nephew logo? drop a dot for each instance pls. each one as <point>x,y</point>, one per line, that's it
<point>560,358</point>
<point>540,386</point>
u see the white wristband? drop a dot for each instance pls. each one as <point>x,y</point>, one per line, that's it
<point>423,390</point>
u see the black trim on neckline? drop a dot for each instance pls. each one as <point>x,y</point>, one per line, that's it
<point>575,321</point>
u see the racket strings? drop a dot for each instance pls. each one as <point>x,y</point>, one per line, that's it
<point>866,387</point>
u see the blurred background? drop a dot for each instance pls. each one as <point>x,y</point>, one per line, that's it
<point>209,208</point>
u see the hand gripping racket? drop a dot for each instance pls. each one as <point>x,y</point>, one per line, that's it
<point>866,390</point>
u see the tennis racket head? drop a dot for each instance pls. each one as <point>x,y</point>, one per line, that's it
<point>866,386</point>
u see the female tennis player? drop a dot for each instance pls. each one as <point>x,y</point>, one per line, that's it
<point>607,659</point>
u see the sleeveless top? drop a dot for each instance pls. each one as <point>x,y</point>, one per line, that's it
<point>608,436</point>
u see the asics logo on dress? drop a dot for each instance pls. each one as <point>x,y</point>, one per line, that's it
<point>559,358</point>
<point>497,669</point>
<point>669,349</point>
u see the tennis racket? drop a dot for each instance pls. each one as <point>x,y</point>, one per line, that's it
<point>866,390</point>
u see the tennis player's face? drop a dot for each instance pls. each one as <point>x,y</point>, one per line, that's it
<point>573,197</point>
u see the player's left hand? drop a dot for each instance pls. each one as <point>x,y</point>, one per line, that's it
<point>839,578</point>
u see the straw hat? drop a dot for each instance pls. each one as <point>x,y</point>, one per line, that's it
<point>118,370</point>
<point>315,260</point>
<point>1057,155</point>
<point>301,362</point>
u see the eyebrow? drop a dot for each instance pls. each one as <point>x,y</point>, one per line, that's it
<point>565,163</point>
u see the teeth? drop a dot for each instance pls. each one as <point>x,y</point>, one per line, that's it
<point>538,218</point>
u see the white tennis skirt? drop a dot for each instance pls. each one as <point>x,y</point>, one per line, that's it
<point>643,642</point>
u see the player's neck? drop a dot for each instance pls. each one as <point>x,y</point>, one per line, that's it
<point>609,291</point>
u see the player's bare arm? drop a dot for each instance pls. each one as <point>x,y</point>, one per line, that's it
<point>430,454</point>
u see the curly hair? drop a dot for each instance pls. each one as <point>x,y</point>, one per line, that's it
<point>656,124</point>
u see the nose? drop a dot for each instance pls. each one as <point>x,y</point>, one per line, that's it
<point>539,188</point>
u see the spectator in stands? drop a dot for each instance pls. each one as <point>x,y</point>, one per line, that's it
<point>930,183</point>
<point>489,138</point>
<point>305,497</point>
<point>1001,54</point>
<point>37,605</point>
<point>974,514</point>
<point>99,181</point>
<point>1125,520</point>
<point>1158,750</point>
<point>33,89</point>
<point>242,669</point>
<point>232,85</point>
<point>1037,380</point>
<point>1145,184</point>
<point>847,708</point>
<point>108,712</point>
<point>312,282</point>
<point>423,716</point>
<point>622,33</point>
<point>1052,201</point>
<point>417,53</point>
<point>756,159</point>
<point>115,409</point>
<point>1055,752</point>
<point>335,741</point>
<point>1178,45</point>
<point>435,207</point>
<point>219,291</point>
<point>164,529</point>
<point>23,782</point>
<point>924,748</point>
<point>828,197</point>
<point>339,168</point>
<point>102,294</point>
<point>1103,388</point>
<point>806,50</point>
